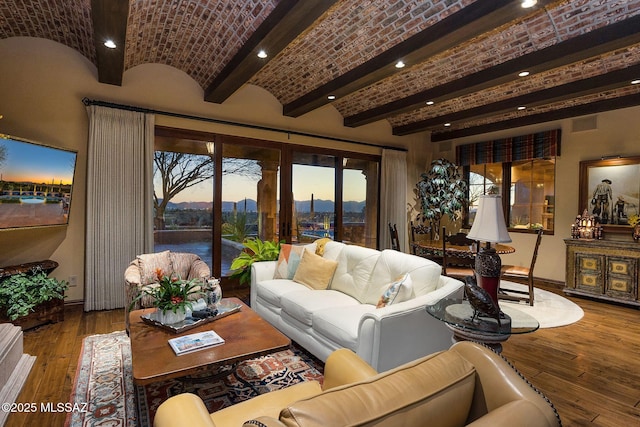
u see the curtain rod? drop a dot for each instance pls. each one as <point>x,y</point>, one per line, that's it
<point>87,102</point>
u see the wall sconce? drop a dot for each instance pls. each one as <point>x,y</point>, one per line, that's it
<point>211,147</point>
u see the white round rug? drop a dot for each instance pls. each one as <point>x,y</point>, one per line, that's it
<point>549,309</point>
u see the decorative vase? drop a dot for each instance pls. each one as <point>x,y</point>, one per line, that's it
<point>636,232</point>
<point>170,317</point>
<point>214,292</point>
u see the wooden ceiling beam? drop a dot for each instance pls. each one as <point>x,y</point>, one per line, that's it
<point>471,21</point>
<point>277,31</point>
<point>604,82</point>
<point>606,39</point>
<point>110,23</point>
<point>549,116</point>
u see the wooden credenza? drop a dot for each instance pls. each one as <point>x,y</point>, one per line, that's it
<point>604,269</point>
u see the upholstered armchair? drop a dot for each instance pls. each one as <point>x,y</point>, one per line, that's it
<point>141,272</point>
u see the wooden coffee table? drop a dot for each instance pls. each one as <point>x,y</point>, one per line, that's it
<point>246,336</point>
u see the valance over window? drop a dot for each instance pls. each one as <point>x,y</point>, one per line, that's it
<point>525,147</point>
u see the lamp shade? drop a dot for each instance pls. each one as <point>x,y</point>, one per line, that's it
<point>489,226</point>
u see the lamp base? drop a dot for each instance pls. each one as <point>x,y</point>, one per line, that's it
<point>488,266</point>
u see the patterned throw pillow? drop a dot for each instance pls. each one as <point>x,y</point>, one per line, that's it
<point>149,263</point>
<point>314,271</point>
<point>399,290</point>
<point>288,261</point>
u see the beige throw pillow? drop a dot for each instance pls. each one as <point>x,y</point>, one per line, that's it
<point>314,271</point>
<point>149,263</point>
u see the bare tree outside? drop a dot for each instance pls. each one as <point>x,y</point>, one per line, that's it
<point>179,171</point>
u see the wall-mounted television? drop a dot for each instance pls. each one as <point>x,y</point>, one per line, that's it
<point>36,183</point>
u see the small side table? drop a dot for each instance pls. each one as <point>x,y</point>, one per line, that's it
<point>457,314</point>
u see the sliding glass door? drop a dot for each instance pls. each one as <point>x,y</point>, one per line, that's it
<point>211,192</point>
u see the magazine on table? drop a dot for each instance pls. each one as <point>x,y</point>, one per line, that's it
<point>194,342</point>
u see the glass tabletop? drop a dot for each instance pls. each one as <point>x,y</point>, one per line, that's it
<point>459,313</point>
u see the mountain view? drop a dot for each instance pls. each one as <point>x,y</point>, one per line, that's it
<point>319,205</point>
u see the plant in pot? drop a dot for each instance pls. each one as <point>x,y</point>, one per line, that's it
<point>32,299</point>
<point>441,191</point>
<point>255,250</point>
<point>170,296</point>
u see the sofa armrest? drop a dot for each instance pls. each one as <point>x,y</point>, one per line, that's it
<point>343,366</point>
<point>263,270</point>
<point>184,409</point>
<point>263,422</point>
<point>399,333</point>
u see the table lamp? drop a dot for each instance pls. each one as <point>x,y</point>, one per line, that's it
<point>489,226</point>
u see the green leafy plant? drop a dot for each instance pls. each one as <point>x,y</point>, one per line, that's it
<point>170,293</point>
<point>21,293</point>
<point>441,191</point>
<point>255,250</point>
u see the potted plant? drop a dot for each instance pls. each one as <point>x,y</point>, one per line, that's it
<point>32,299</point>
<point>255,250</point>
<point>170,296</point>
<point>441,191</point>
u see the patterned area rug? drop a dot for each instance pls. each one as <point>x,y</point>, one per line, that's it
<point>104,381</point>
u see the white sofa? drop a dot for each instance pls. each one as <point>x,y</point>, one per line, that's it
<point>345,314</point>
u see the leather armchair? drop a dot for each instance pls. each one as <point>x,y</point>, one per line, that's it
<point>468,384</point>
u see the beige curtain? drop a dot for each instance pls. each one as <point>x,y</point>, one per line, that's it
<point>393,197</point>
<point>119,201</point>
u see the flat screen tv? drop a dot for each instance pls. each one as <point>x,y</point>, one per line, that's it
<point>36,183</point>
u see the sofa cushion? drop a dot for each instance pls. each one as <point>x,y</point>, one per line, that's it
<point>341,324</point>
<point>355,265</point>
<point>271,291</point>
<point>425,274</point>
<point>315,271</point>
<point>399,290</point>
<point>332,249</point>
<point>288,261</point>
<point>304,303</point>
<point>149,263</point>
<point>446,388</point>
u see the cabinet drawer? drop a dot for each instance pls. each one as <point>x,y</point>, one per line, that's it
<point>590,273</point>
<point>622,278</point>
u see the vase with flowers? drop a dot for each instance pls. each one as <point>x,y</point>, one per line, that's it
<point>634,221</point>
<point>170,296</point>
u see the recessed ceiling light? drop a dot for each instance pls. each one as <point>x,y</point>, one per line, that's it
<point>430,102</point>
<point>331,97</point>
<point>400,64</point>
<point>522,107</point>
<point>523,74</point>
<point>262,54</point>
<point>447,124</point>
<point>528,3</point>
<point>110,44</point>
<point>635,82</point>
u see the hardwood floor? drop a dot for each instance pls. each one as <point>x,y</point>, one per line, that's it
<point>589,370</point>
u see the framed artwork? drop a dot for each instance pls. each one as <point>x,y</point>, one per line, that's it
<point>610,191</point>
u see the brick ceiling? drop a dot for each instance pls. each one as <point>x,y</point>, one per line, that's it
<point>463,55</point>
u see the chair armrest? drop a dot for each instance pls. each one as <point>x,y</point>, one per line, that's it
<point>263,422</point>
<point>184,409</point>
<point>516,413</point>
<point>199,270</point>
<point>498,383</point>
<point>132,274</point>
<point>343,366</point>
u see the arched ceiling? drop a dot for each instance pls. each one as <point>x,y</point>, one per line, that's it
<point>461,56</point>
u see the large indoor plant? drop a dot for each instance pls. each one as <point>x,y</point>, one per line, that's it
<point>255,250</point>
<point>23,294</point>
<point>441,191</point>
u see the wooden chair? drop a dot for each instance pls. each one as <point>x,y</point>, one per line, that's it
<point>420,232</point>
<point>520,273</point>
<point>395,242</point>
<point>458,264</point>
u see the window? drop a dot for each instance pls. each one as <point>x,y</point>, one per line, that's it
<point>527,188</point>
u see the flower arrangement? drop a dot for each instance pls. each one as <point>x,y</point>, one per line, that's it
<point>634,220</point>
<point>170,293</point>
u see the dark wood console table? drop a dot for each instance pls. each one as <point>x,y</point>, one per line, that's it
<point>47,266</point>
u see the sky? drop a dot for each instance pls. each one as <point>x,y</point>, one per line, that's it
<point>307,180</point>
<point>35,163</point>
